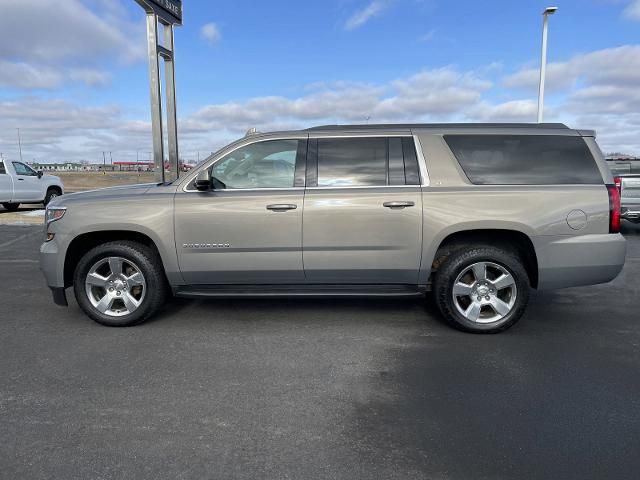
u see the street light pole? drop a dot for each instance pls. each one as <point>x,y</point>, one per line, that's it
<point>19,144</point>
<point>543,60</point>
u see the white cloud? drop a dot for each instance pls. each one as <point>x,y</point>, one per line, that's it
<point>619,65</point>
<point>26,76</point>
<point>606,100</point>
<point>427,37</point>
<point>632,11</point>
<point>64,41</point>
<point>359,18</point>
<point>210,32</point>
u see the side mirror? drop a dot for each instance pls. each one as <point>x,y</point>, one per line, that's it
<point>203,180</point>
<point>40,174</point>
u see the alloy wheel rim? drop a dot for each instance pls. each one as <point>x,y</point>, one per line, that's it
<point>115,286</point>
<point>485,292</point>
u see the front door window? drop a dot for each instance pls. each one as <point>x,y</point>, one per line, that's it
<point>22,169</point>
<point>269,164</point>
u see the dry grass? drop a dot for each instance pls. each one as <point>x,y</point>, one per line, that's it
<point>79,181</point>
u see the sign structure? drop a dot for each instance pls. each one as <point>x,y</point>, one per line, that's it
<point>169,10</point>
<point>166,13</point>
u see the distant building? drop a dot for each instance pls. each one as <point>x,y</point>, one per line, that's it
<point>620,163</point>
<point>72,167</point>
<point>134,166</point>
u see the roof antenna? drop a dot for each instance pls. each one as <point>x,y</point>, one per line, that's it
<point>251,131</point>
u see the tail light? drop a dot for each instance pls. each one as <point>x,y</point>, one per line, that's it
<point>614,208</point>
<point>618,182</point>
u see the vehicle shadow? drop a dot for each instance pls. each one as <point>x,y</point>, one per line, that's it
<point>22,209</point>
<point>630,229</point>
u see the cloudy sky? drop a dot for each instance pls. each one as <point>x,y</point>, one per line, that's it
<point>73,73</point>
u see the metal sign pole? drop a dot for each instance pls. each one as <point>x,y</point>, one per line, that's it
<point>156,100</point>
<point>166,13</point>
<point>172,120</point>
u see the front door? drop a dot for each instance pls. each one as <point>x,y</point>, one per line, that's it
<point>248,229</point>
<point>363,211</point>
<point>27,185</point>
<point>6,184</point>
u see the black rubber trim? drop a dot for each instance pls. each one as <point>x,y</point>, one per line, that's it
<point>301,164</point>
<point>59,296</point>
<point>312,163</point>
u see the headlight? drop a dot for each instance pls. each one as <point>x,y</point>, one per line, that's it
<point>53,214</point>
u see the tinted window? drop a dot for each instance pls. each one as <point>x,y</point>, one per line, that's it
<point>396,162</point>
<point>269,164</point>
<point>412,173</point>
<point>22,169</point>
<point>2,169</point>
<point>352,162</point>
<point>524,159</point>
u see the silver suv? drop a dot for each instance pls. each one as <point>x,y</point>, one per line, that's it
<point>476,214</point>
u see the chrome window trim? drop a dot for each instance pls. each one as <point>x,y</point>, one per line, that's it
<point>354,187</point>
<point>424,176</point>
<point>189,181</point>
<point>422,164</point>
<point>264,189</point>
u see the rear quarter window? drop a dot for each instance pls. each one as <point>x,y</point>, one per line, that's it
<point>525,159</point>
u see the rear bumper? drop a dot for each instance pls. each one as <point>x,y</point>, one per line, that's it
<point>632,214</point>
<point>580,260</point>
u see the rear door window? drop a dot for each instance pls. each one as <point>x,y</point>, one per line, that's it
<point>525,159</point>
<point>363,161</point>
<point>347,162</point>
<point>3,171</point>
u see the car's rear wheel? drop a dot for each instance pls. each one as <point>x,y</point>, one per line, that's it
<point>120,284</point>
<point>482,289</point>
<point>12,207</point>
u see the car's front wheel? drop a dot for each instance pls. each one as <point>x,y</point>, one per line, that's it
<point>482,289</point>
<point>120,284</point>
<point>51,194</point>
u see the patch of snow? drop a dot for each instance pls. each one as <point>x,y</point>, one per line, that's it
<point>33,213</point>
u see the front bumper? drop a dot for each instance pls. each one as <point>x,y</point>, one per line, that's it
<point>59,296</point>
<point>579,260</point>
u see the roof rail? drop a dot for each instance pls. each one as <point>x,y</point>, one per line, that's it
<point>439,125</point>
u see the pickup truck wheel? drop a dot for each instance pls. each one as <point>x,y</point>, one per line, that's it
<point>12,207</point>
<point>482,290</point>
<point>120,284</point>
<point>51,194</point>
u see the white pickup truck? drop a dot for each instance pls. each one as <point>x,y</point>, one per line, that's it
<point>19,183</point>
<point>629,188</point>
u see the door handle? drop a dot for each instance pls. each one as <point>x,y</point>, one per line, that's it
<point>281,207</point>
<point>21,179</point>
<point>398,204</point>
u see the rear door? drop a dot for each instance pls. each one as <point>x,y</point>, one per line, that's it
<point>27,185</point>
<point>363,211</point>
<point>6,183</point>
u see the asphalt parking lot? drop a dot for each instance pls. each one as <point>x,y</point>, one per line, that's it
<point>306,389</point>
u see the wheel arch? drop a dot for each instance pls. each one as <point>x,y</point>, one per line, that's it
<point>508,238</point>
<point>84,242</point>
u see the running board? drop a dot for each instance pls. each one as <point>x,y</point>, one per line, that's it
<point>300,291</point>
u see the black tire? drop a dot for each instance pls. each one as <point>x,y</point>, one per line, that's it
<point>52,193</point>
<point>460,260</point>
<point>12,207</point>
<point>149,264</point>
